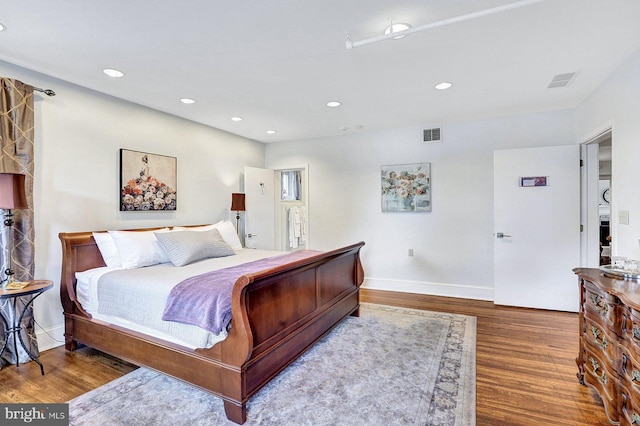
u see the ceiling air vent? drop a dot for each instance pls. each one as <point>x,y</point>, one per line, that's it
<point>561,80</point>
<point>432,135</point>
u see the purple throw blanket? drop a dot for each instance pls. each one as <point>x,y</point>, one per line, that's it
<point>205,300</point>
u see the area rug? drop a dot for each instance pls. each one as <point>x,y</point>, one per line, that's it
<point>390,366</point>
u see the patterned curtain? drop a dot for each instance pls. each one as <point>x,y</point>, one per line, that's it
<point>16,156</point>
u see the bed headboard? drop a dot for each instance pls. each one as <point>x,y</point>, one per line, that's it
<point>79,253</point>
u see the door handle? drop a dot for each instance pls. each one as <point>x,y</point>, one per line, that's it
<point>502,235</point>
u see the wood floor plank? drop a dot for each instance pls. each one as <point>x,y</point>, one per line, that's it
<point>525,365</point>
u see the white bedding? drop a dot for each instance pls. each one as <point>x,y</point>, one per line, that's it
<point>145,291</point>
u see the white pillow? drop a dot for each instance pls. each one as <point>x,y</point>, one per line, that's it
<point>139,248</point>
<point>229,234</point>
<point>108,249</point>
<point>226,229</point>
<point>184,247</point>
<point>193,228</point>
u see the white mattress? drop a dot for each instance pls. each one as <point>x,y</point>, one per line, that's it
<point>145,291</point>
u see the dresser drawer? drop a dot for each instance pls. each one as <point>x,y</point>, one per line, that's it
<point>600,305</point>
<point>628,409</point>
<point>630,332</point>
<point>604,380</point>
<point>602,342</point>
<point>629,372</point>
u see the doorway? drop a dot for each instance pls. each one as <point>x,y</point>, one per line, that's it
<point>291,209</point>
<point>596,198</point>
<point>604,200</point>
<point>270,197</point>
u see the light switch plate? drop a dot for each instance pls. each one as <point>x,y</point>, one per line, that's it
<point>623,217</point>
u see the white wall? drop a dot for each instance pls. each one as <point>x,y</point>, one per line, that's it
<point>453,245</point>
<point>78,134</point>
<point>617,102</point>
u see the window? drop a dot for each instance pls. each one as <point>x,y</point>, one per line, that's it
<point>291,185</point>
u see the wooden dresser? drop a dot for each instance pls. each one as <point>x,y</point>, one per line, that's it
<point>609,353</point>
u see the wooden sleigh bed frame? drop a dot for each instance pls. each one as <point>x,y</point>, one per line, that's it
<point>276,316</point>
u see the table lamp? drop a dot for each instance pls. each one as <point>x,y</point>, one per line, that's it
<point>12,196</point>
<point>237,204</point>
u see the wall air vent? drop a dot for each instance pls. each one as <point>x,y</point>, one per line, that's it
<point>432,135</point>
<point>561,80</point>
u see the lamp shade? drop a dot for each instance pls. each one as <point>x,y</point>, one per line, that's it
<point>12,194</point>
<point>237,202</point>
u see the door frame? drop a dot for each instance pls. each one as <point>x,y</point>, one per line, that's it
<point>589,196</point>
<point>278,203</point>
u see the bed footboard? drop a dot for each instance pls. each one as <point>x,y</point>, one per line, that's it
<point>276,315</point>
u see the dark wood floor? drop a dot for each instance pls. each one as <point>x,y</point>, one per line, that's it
<point>525,375</point>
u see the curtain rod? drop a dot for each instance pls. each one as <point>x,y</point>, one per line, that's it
<point>47,92</point>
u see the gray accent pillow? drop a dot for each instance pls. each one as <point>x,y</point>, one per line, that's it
<point>184,247</point>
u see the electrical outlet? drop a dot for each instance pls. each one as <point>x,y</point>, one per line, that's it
<point>410,253</point>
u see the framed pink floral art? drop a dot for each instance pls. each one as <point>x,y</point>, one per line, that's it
<point>147,181</point>
<point>406,188</point>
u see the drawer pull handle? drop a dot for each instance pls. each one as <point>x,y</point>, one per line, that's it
<point>624,363</point>
<point>624,323</point>
<point>597,335</point>
<point>601,306</point>
<point>601,378</point>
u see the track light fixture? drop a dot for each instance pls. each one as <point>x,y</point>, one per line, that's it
<point>397,34</point>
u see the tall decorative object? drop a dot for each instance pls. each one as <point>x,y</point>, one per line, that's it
<point>12,197</point>
<point>237,205</point>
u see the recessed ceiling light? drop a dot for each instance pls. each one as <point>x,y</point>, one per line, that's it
<point>188,101</point>
<point>334,104</point>
<point>396,28</point>
<point>271,132</point>
<point>236,118</point>
<point>2,27</point>
<point>113,73</point>
<point>444,85</point>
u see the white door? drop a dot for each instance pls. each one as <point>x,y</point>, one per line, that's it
<point>537,228</point>
<point>259,203</point>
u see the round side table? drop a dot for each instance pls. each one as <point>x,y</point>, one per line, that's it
<point>12,324</point>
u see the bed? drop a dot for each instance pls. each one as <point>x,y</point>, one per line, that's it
<point>276,314</point>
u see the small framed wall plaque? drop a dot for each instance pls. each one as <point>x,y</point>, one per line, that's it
<point>533,181</point>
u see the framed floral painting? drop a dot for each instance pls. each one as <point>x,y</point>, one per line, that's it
<point>147,181</point>
<point>406,188</point>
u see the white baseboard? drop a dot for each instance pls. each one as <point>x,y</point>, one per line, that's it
<point>50,338</point>
<point>435,289</point>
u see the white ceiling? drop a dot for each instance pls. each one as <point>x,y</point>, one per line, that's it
<point>276,63</point>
